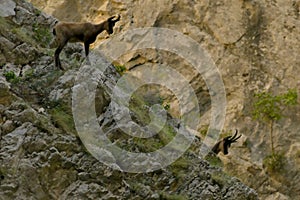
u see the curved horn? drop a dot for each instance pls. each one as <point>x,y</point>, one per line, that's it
<point>114,20</point>
<point>234,138</point>
<point>118,18</point>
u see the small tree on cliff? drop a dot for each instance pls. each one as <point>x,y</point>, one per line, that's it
<point>269,109</point>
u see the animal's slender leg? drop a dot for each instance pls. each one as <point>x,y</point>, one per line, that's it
<point>56,55</point>
<point>87,48</point>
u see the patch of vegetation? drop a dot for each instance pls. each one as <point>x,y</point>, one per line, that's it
<point>140,107</point>
<point>178,170</point>
<point>214,160</point>
<point>121,69</point>
<point>269,108</point>
<point>166,106</point>
<point>29,74</point>
<point>166,196</point>
<point>180,165</point>
<point>274,163</point>
<point>35,35</point>
<point>162,101</point>
<point>20,33</point>
<point>298,154</point>
<point>204,130</point>
<point>75,60</point>
<point>37,12</point>
<point>41,34</point>
<point>41,85</point>
<point>63,118</point>
<point>167,134</point>
<point>49,52</point>
<point>136,144</point>
<point>2,175</point>
<point>11,77</point>
<point>7,27</point>
<point>23,34</point>
<point>220,178</point>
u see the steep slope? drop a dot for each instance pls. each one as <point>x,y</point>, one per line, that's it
<point>255,45</point>
<point>41,155</point>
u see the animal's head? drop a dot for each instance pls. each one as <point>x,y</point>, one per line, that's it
<point>111,23</point>
<point>225,143</point>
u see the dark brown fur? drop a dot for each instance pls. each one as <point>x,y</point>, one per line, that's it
<point>79,32</point>
<point>224,144</point>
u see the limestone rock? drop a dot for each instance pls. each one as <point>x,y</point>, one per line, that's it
<point>254,44</point>
<point>7,8</point>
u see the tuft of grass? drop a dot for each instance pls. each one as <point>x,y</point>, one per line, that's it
<point>10,76</point>
<point>63,118</point>
<point>41,34</point>
<point>220,178</point>
<point>121,69</point>
<point>214,160</point>
<point>179,169</point>
<point>204,130</point>
<point>274,163</point>
<point>167,196</point>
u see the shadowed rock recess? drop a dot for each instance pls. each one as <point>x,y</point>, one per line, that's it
<point>255,45</point>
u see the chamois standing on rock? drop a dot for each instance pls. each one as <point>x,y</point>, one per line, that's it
<point>224,144</point>
<point>79,32</point>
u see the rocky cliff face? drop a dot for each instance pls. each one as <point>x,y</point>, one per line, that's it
<point>41,154</point>
<point>255,45</point>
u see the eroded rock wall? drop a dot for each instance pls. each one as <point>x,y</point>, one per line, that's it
<point>41,156</point>
<point>255,45</point>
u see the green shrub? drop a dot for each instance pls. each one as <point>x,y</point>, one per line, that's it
<point>11,77</point>
<point>274,163</point>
